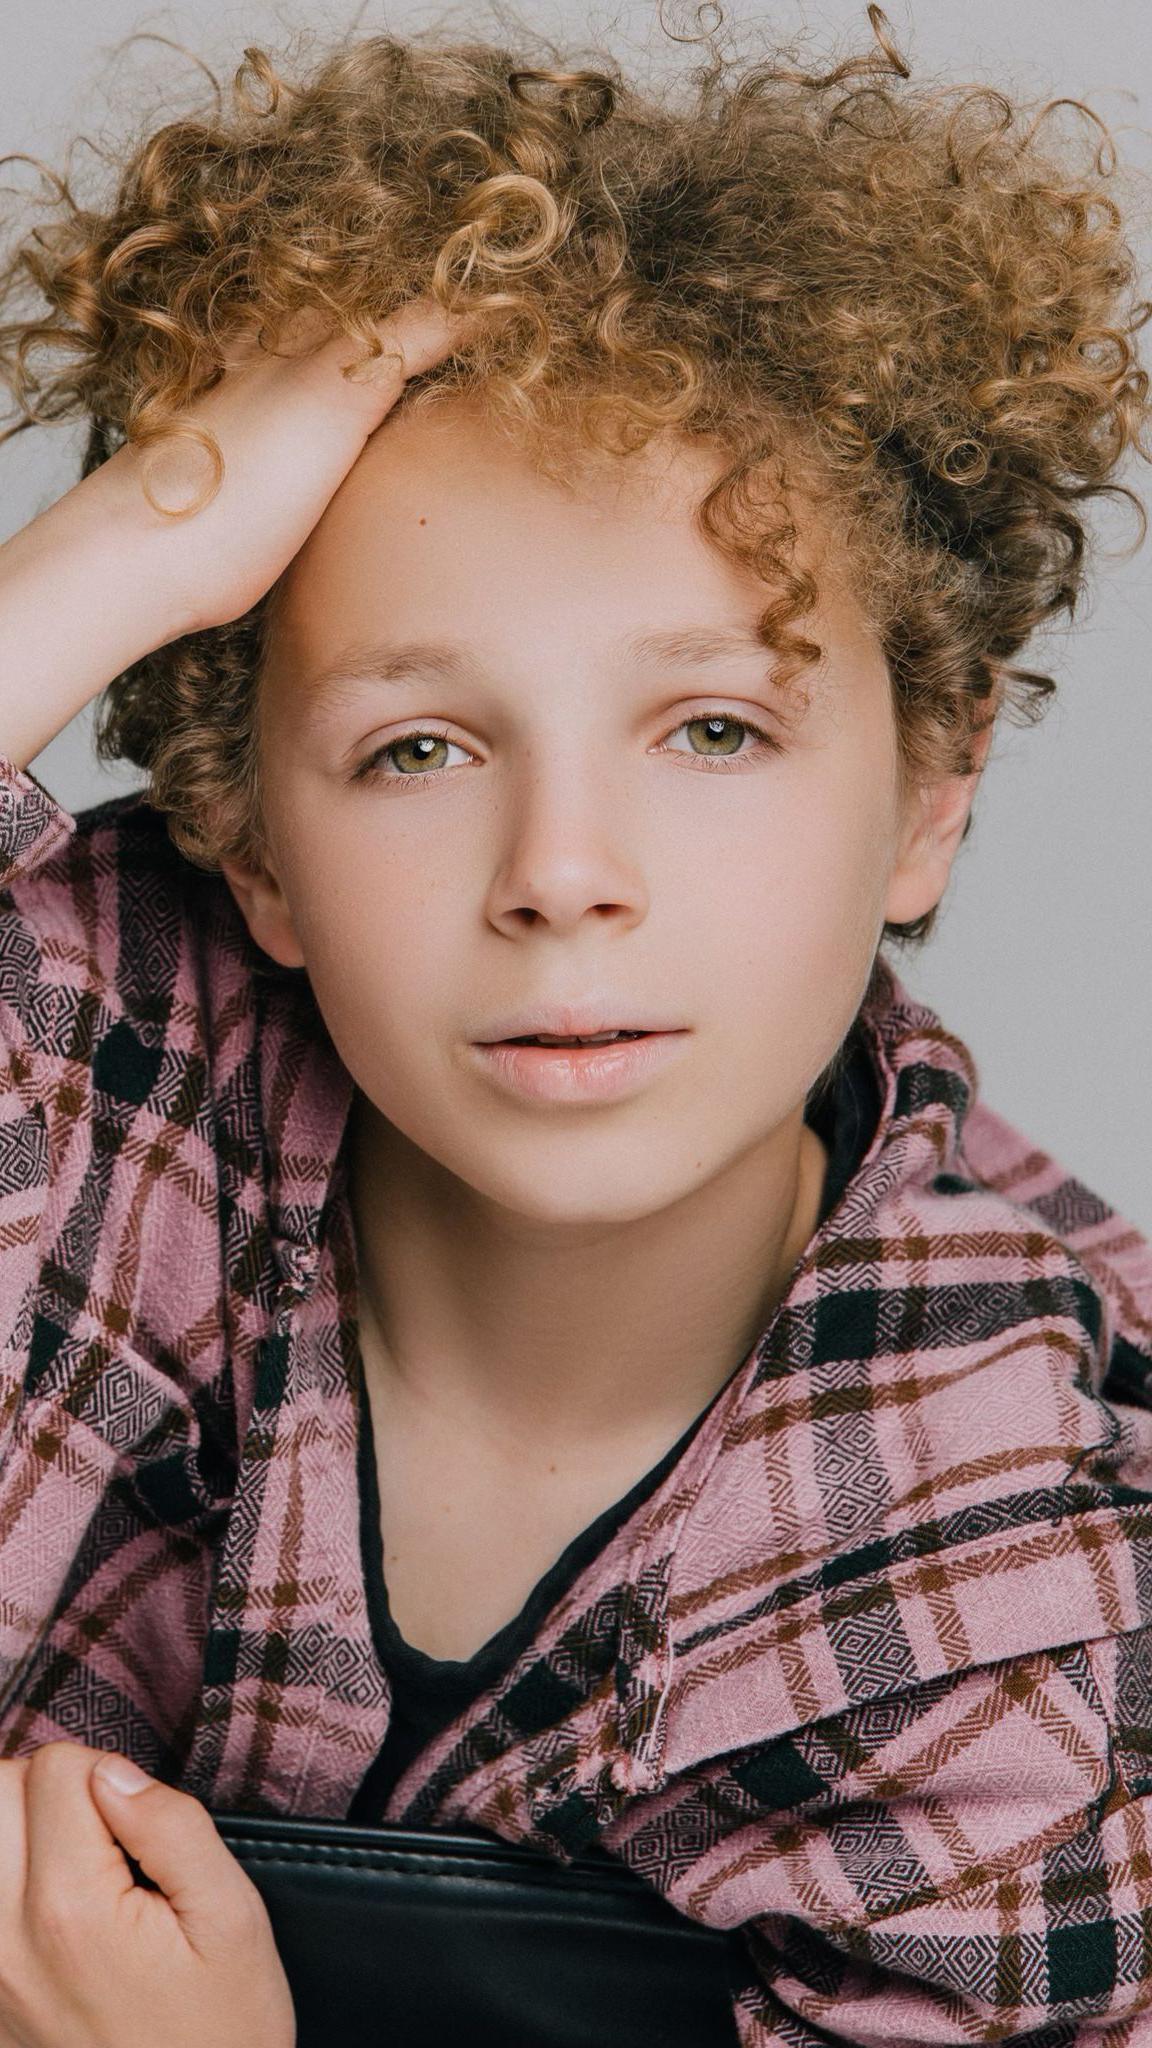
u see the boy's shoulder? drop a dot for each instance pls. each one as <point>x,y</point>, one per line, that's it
<point>101,863</point>
<point>139,1062</point>
<point>130,1003</point>
<point>100,912</point>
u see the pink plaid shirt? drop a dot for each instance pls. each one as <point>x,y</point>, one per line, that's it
<point>868,1676</point>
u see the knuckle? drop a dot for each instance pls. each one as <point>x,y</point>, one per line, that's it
<point>58,1756</point>
<point>195,1816</point>
<point>17,1997</point>
<point>58,1922</point>
<point>13,1778</point>
<point>251,1914</point>
<point>247,1915</point>
<point>240,1925</point>
<point>199,1829</point>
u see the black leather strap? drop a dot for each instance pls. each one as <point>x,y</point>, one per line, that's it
<point>395,1937</point>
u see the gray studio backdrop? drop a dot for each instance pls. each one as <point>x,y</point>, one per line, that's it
<point>1043,958</point>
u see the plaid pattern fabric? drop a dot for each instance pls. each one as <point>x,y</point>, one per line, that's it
<point>868,1677</point>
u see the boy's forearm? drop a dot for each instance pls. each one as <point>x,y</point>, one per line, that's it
<point>86,588</point>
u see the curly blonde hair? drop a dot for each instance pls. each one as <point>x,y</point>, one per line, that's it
<point>900,282</point>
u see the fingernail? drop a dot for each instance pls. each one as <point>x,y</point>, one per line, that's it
<point>123,1775</point>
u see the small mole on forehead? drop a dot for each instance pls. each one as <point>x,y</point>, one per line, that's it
<point>423,521</point>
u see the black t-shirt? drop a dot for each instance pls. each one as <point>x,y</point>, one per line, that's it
<point>428,1692</point>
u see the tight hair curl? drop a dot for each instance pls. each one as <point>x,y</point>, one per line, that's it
<point>899,286</point>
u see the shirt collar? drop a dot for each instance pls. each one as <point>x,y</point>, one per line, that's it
<point>306,1094</point>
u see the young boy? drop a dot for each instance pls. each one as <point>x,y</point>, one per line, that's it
<point>730,1445</point>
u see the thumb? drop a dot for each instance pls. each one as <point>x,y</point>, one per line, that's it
<point>174,1839</point>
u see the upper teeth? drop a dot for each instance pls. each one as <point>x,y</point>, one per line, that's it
<point>600,1038</point>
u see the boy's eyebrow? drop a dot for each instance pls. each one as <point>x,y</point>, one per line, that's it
<point>419,661</point>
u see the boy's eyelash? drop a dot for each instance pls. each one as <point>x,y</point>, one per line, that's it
<point>369,771</point>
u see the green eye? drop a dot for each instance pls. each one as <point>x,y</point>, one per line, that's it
<point>412,742</point>
<point>424,744</point>
<point>370,770</point>
<point>734,725</point>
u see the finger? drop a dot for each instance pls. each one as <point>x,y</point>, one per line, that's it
<point>415,336</point>
<point>177,1844</point>
<point>424,333</point>
<point>419,334</point>
<point>71,1852</point>
<point>13,1834</point>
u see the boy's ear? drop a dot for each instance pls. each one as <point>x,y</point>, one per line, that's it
<point>934,826</point>
<point>265,911</point>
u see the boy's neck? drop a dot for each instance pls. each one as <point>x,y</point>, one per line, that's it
<point>620,1334</point>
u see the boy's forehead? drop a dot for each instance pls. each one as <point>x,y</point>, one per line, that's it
<point>449,471</point>
<point>456,446</point>
<point>331,617</point>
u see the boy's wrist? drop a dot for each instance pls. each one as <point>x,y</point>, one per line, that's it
<point>87,588</point>
<point>143,552</point>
